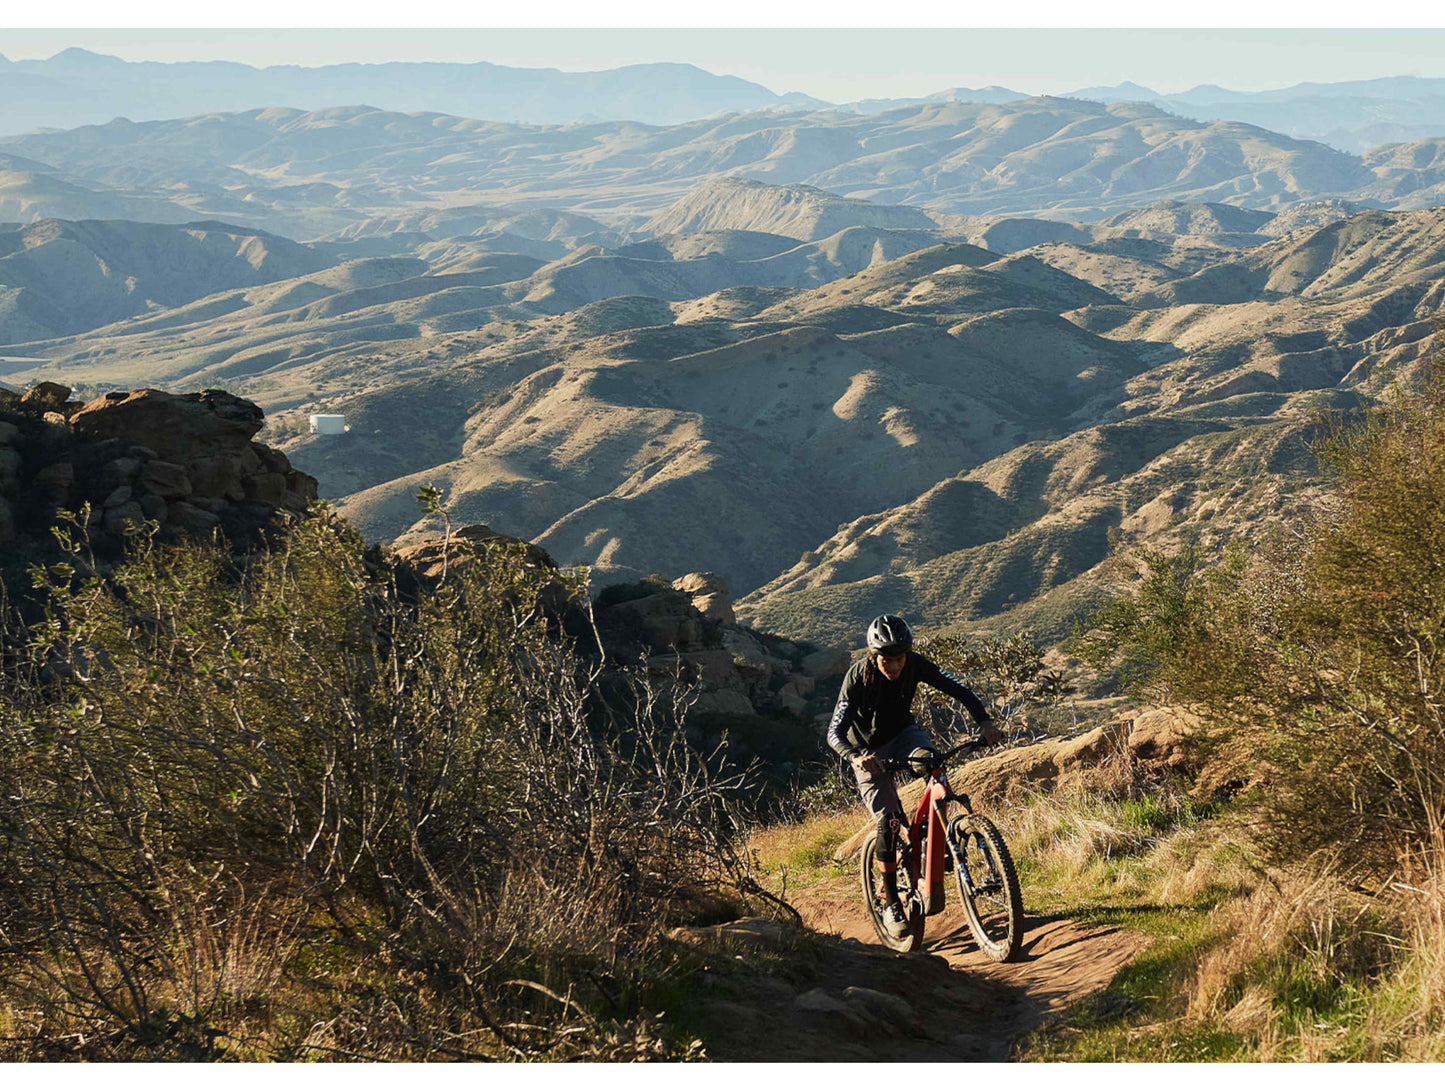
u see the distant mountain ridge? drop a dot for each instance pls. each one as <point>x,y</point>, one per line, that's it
<point>1353,116</point>
<point>77,87</point>
<point>319,174</point>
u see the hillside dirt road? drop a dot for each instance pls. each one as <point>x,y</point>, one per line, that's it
<point>853,1000</point>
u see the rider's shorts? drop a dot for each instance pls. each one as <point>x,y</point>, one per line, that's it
<point>876,787</point>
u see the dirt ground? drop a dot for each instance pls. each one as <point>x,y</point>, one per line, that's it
<point>846,998</point>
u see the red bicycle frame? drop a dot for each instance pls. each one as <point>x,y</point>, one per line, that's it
<point>926,843</point>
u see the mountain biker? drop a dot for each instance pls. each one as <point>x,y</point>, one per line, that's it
<point>874,721</point>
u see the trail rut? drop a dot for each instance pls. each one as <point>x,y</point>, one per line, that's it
<point>853,1000</point>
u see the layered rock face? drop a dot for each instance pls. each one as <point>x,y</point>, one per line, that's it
<point>187,463</point>
<point>765,695</point>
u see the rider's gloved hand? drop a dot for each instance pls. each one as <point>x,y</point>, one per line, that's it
<point>990,733</point>
<point>865,762</point>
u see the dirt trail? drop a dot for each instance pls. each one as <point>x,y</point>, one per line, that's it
<point>853,1000</point>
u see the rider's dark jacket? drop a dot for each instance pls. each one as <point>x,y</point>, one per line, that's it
<point>869,714</point>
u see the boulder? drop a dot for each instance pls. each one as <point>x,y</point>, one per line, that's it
<point>154,507</point>
<point>8,432</point>
<point>429,556</point>
<point>1161,736</point>
<point>273,459</point>
<point>828,662</point>
<point>267,487</point>
<point>664,621</point>
<point>709,593</point>
<point>57,476</point>
<point>217,476</point>
<point>118,496</point>
<point>121,471</point>
<point>167,480</point>
<point>713,669</point>
<point>723,702</point>
<point>748,655</point>
<point>46,395</point>
<point>185,516</point>
<point>792,700</point>
<point>118,517</point>
<point>1040,766</point>
<point>179,428</point>
<point>302,486</point>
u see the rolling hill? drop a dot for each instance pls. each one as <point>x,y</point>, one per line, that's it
<point>885,417</point>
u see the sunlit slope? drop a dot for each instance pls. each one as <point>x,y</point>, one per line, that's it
<point>739,443</point>
<point>84,274</point>
<point>1210,441</point>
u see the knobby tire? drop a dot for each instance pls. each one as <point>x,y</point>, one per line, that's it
<point>998,930</point>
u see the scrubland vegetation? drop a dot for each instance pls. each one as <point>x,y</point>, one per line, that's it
<point>1316,663</point>
<point>301,806</point>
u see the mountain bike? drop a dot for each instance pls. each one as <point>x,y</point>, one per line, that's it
<point>972,847</point>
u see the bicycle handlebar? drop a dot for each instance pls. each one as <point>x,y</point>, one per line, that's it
<point>898,764</point>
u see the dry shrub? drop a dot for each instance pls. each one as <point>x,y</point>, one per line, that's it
<point>1407,1012</point>
<point>1306,915</point>
<point>1199,858</point>
<point>290,806</point>
<point>1315,969</point>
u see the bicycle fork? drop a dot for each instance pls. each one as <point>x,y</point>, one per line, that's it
<point>959,865</point>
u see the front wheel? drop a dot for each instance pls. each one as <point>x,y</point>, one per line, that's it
<point>871,869</point>
<point>988,885</point>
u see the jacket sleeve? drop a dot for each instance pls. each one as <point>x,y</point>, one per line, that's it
<point>945,682</point>
<point>838,728</point>
<point>843,716</point>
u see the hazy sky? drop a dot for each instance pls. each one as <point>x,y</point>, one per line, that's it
<point>834,64</point>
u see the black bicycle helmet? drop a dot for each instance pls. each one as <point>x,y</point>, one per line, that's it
<point>889,635</point>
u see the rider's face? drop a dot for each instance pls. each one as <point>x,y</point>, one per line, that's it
<point>892,665</point>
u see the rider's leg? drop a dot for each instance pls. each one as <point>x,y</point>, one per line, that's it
<point>880,796</point>
<point>888,855</point>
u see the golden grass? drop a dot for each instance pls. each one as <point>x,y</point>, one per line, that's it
<point>802,847</point>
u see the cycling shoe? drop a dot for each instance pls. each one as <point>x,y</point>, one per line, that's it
<point>895,921</point>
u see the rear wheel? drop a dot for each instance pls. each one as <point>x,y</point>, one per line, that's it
<point>874,898</point>
<point>988,885</point>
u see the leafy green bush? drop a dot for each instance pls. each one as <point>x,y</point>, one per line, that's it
<point>1007,673</point>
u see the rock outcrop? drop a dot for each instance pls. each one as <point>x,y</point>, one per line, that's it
<point>764,695</point>
<point>756,695</point>
<point>1161,736</point>
<point>186,463</point>
<point>431,558</point>
<point>709,593</point>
